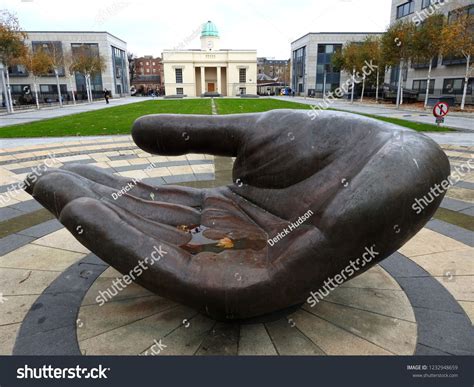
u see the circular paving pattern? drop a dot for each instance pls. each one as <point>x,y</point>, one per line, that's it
<point>418,301</point>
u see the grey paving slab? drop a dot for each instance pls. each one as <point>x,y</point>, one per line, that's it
<point>289,340</point>
<point>13,241</point>
<point>204,176</point>
<point>27,206</point>
<point>455,205</point>
<point>444,329</point>
<point>179,178</point>
<point>223,339</point>
<point>468,211</point>
<point>42,229</point>
<point>464,184</point>
<point>49,328</point>
<point>8,213</point>
<point>154,181</point>
<point>452,231</point>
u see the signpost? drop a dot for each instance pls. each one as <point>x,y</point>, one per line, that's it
<point>440,111</point>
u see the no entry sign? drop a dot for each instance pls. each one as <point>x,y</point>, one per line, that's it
<point>441,109</point>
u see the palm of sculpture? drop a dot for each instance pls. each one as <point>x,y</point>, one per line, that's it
<point>358,177</point>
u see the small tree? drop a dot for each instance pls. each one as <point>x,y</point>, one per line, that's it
<point>458,38</point>
<point>373,49</point>
<point>427,43</point>
<point>87,62</point>
<point>398,48</point>
<point>68,61</point>
<point>38,63</point>
<point>350,60</point>
<point>11,48</point>
<point>56,60</point>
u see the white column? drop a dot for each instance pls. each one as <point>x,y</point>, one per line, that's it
<point>219,79</point>
<point>203,83</point>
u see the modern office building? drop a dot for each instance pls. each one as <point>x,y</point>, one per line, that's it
<point>448,74</point>
<point>311,61</point>
<point>148,75</point>
<point>196,72</point>
<point>113,78</point>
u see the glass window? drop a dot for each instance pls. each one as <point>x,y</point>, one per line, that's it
<point>179,90</point>
<point>179,75</point>
<point>242,75</point>
<point>453,86</point>
<point>55,50</point>
<point>420,85</point>
<point>425,4</point>
<point>405,9</point>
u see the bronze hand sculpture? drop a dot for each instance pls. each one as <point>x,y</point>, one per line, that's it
<point>308,197</point>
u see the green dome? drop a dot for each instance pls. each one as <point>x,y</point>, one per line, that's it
<point>209,29</point>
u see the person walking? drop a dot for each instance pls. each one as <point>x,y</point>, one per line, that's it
<point>106,96</point>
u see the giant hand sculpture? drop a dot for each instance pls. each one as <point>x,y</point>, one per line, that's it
<point>351,181</point>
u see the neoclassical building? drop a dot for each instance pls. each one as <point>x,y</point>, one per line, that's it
<point>195,72</point>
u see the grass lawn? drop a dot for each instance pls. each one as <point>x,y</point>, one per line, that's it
<point>119,119</point>
<point>114,120</point>
<point>243,105</point>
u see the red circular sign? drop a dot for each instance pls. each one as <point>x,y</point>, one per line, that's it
<point>441,109</point>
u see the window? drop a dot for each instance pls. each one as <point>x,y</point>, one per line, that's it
<point>153,63</point>
<point>426,3</point>
<point>52,89</point>
<point>242,75</point>
<point>17,71</point>
<point>147,63</point>
<point>20,89</point>
<point>405,9</point>
<point>456,86</point>
<point>420,85</point>
<point>179,75</point>
<point>179,90</point>
<point>147,70</point>
<point>242,90</point>
<point>55,50</point>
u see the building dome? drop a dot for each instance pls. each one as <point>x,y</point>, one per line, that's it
<point>209,29</point>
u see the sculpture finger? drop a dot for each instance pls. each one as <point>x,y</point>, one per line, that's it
<point>149,261</point>
<point>56,189</point>
<point>172,135</point>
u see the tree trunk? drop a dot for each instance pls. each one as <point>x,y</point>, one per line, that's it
<point>377,87</point>
<point>60,97</point>
<point>466,81</point>
<point>363,89</point>
<point>36,95</point>
<point>428,83</point>
<point>90,89</point>
<point>9,91</point>
<point>5,94</point>
<point>399,85</point>
<point>353,84</point>
<point>72,90</point>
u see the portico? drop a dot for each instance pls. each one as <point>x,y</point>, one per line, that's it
<point>210,69</point>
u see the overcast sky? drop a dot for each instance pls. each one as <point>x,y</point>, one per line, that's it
<point>151,26</point>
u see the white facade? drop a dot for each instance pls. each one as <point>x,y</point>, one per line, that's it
<point>210,69</point>
<point>114,77</point>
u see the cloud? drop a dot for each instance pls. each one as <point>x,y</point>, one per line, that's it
<point>150,26</point>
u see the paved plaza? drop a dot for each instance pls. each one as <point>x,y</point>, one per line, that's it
<point>418,301</point>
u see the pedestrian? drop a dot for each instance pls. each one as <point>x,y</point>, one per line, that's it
<point>106,96</point>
